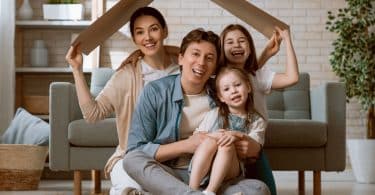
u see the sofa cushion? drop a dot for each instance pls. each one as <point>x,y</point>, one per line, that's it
<point>102,133</point>
<point>99,78</point>
<point>295,133</point>
<point>292,102</point>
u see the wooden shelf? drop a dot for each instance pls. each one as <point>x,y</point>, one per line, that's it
<point>47,70</point>
<point>53,24</point>
<point>32,83</point>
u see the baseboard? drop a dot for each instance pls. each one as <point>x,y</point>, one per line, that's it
<point>346,175</point>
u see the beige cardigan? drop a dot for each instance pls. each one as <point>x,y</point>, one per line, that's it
<point>119,95</point>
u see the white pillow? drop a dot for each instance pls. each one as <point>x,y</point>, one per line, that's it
<point>26,128</point>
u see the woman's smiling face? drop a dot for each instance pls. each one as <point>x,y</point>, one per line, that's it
<point>148,35</point>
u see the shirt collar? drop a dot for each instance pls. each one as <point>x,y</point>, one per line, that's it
<point>177,94</point>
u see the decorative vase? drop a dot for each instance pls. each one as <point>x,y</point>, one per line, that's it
<point>39,54</point>
<point>63,11</point>
<point>25,12</point>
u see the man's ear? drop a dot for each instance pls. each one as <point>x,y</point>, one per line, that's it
<point>180,58</point>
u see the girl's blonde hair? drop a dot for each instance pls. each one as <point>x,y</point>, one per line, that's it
<point>223,108</point>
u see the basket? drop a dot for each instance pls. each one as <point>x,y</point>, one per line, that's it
<point>21,166</point>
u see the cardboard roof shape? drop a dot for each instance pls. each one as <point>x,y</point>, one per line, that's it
<point>108,24</point>
<point>120,14</point>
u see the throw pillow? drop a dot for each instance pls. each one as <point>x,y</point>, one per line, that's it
<point>26,128</point>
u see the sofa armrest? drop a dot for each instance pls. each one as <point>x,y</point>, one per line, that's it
<point>64,108</point>
<point>328,104</point>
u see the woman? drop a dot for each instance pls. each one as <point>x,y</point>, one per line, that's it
<point>149,30</point>
<point>238,50</point>
<point>161,138</point>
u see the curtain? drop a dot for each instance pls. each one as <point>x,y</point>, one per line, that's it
<point>7,66</point>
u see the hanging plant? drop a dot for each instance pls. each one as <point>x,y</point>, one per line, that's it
<point>353,56</point>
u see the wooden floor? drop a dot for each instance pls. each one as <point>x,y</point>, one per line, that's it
<point>332,184</point>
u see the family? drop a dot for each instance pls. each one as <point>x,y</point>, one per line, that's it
<point>190,120</point>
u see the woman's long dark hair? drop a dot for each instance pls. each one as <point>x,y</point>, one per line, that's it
<point>147,11</point>
<point>223,108</point>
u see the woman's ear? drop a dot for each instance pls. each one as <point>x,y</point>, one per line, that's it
<point>165,32</point>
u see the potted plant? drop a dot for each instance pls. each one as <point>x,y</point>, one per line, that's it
<point>353,60</point>
<point>63,10</point>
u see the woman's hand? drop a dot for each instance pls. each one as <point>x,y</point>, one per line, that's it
<point>247,148</point>
<point>74,58</point>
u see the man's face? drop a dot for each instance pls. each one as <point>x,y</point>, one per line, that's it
<point>198,63</point>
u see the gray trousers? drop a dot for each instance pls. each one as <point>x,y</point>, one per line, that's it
<point>158,178</point>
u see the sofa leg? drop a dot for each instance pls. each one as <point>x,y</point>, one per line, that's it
<point>95,176</point>
<point>317,189</point>
<point>301,183</point>
<point>77,182</point>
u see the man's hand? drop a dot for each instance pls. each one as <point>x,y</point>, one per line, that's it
<point>247,148</point>
<point>132,59</point>
<point>227,139</point>
<point>195,140</point>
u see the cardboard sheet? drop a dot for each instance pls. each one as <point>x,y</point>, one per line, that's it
<point>252,15</point>
<point>120,14</point>
<point>108,24</point>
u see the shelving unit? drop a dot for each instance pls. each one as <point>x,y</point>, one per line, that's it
<point>53,24</point>
<point>32,83</point>
<point>47,70</point>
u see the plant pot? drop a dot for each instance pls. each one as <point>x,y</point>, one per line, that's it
<point>63,11</point>
<point>362,159</point>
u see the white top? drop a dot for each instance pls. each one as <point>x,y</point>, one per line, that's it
<point>194,110</point>
<point>255,130</point>
<point>262,84</point>
<point>151,74</point>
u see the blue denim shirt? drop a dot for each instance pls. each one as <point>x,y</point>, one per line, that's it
<point>157,116</point>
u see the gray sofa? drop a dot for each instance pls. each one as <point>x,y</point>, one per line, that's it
<point>306,131</point>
